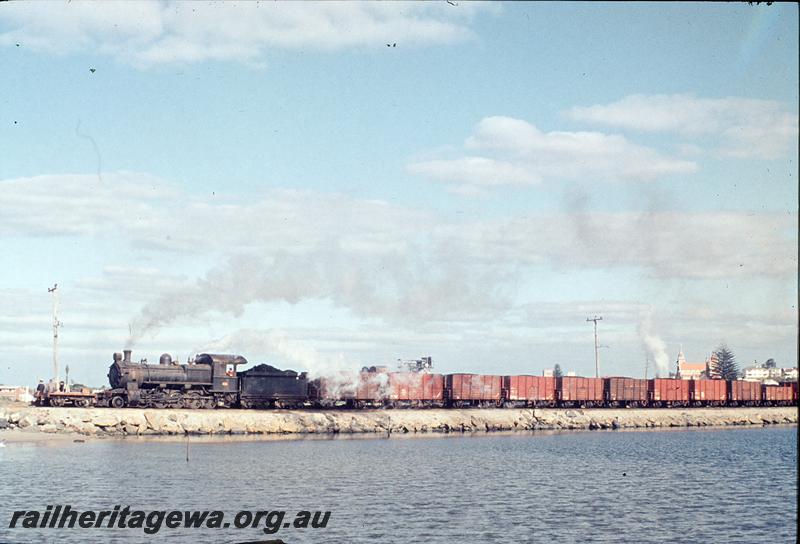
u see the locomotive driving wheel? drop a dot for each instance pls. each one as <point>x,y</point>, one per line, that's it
<point>117,401</point>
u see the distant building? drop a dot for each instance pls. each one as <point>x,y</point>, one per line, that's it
<point>760,373</point>
<point>696,371</point>
<point>548,373</point>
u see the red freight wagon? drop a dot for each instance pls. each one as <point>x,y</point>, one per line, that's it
<point>339,386</point>
<point>626,391</point>
<point>530,390</point>
<point>577,391</point>
<point>371,386</point>
<point>709,392</point>
<point>669,392</point>
<point>473,389</point>
<point>746,393</point>
<point>781,395</point>
<point>415,388</point>
<point>356,389</point>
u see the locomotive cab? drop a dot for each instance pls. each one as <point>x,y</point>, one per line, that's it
<point>224,377</point>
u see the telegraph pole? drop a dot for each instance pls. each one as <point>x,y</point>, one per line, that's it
<point>56,325</point>
<point>596,347</point>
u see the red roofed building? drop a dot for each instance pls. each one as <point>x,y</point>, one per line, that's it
<point>696,371</point>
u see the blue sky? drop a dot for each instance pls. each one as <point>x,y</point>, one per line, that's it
<point>273,179</point>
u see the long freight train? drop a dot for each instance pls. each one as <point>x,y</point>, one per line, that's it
<point>212,381</point>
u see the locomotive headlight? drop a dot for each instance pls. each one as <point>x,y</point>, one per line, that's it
<point>225,384</point>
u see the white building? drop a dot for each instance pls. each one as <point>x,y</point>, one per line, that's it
<point>760,373</point>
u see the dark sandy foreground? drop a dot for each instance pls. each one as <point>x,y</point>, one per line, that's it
<point>18,421</point>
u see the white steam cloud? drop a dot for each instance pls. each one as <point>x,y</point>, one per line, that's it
<point>396,286</point>
<point>653,344</point>
<point>278,344</point>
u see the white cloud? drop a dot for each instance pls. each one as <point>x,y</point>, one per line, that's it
<point>475,171</point>
<point>381,266</point>
<point>153,213</point>
<point>151,33</point>
<point>746,127</point>
<point>515,152</point>
<point>149,212</point>
<point>661,244</point>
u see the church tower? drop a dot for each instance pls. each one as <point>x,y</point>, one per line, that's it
<point>679,363</point>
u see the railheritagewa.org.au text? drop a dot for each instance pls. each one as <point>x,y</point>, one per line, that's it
<point>153,521</point>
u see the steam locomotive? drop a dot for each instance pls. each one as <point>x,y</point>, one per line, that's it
<point>208,381</point>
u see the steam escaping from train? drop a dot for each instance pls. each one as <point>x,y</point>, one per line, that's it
<point>396,285</point>
<point>653,344</point>
<point>277,344</point>
<point>342,375</point>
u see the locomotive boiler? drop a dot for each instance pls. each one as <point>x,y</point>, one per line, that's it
<point>210,380</point>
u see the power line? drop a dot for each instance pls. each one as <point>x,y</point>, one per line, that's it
<point>595,319</point>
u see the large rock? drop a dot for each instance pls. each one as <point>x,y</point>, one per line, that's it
<point>132,417</point>
<point>104,418</point>
<point>28,420</point>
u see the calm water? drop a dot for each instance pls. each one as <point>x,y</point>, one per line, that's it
<point>735,485</point>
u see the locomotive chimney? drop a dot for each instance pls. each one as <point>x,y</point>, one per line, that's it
<point>127,353</point>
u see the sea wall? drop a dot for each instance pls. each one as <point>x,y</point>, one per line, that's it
<point>127,421</point>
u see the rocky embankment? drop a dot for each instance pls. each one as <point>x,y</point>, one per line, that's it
<point>127,421</point>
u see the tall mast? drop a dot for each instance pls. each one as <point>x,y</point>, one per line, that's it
<point>56,325</point>
<point>596,347</point>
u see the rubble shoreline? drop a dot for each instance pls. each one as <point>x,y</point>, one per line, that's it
<point>107,422</point>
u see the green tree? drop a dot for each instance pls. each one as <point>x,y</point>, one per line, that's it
<point>770,363</point>
<point>725,366</point>
<point>557,371</point>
